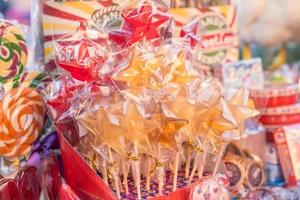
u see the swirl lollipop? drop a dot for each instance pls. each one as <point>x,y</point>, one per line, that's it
<point>21,120</point>
<point>13,51</point>
<point>17,33</point>
<point>32,79</point>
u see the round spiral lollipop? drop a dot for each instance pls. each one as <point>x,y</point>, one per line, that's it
<point>32,79</point>
<point>21,120</point>
<point>13,51</point>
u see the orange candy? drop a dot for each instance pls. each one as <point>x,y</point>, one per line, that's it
<point>21,120</point>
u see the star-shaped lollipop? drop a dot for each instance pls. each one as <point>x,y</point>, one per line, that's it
<point>140,72</point>
<point>145,22</point>
<point>238,109</point>
<point>168,135</point>
<point>104,130</point>
<point>176,72</point>
<point>81,55</point>
<point>216,124</point>
<point>168,127</point>
<point>183,109</point>
<point>137,127</point>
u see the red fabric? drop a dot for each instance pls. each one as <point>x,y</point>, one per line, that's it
<point>9,189</point>
<point>177,195</point>
<point>80,177</point>
<point>51,177</point>
<point>66,193</point>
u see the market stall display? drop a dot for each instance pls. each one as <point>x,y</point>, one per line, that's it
<point>147,100</point>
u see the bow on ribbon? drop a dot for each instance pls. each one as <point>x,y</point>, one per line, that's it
<point>42,148</point>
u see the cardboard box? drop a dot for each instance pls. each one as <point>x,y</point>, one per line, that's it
<point>287,140</point>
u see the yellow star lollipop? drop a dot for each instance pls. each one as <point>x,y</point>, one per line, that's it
<point>100,125</point>
<point>140,72</point>
<point>176,72</point>
<point>163,137</point>
<point>238,109</point>
<point>106,133</point>
<point>215,124</point>
<point>169,127</point>
<point>137,127</point>
<point>211,126</point>
<point>183,109</point>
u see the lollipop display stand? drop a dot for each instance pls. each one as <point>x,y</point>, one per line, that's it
<point>149,99</point>
<point>75,164</point>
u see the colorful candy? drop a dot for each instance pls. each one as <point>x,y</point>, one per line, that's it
<point>13,51</point>
<point>210,188</point>
<point>32,79</point>
<point>21,120</point>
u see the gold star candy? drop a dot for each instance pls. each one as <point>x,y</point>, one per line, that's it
<point>140,72</point>
<point>183,109</point>
<point>214,125</point>
<point>176,72</point>
<point>137,127</point>
<point>238,109</point>
<point>169,127</point>
<point>100,125</point>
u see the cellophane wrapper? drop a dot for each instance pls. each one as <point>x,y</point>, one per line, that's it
<point>133,95</point>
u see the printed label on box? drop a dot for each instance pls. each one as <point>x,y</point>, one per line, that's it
<point>284,157</point>
<point>271,155</point>
<point>218,30</point>
<point>274,174</point>
<point>293,141</point>
<point>245,73</point>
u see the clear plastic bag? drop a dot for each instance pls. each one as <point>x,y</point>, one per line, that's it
<point>156,103</point>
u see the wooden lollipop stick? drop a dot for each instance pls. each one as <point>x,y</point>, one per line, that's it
<point>202,165</point>
<point>160,172</point>
<point>114,175</point>
<point>104,172</point>
<point>119,177</point>
<point>175,171</point>
<point>148,178</point>
<point>197,162</point>
<point>187,165</point>
<point>219,159</point>
<point>120,185</point>
<point>160,181</point>
<point>136,171</point>
<point>125,176</point>
<point>195,165</point>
